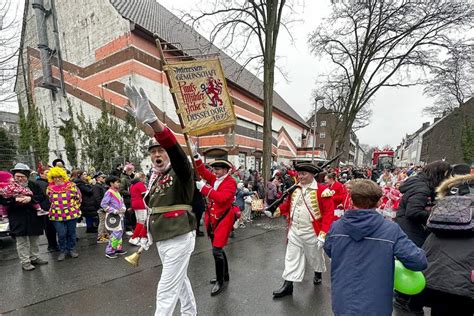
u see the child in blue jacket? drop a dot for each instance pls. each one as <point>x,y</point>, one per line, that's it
<point>363,247</point>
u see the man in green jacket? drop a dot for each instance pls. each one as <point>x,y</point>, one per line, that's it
<point>169,199</point>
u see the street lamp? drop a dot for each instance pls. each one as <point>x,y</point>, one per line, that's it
<point>318,98</point>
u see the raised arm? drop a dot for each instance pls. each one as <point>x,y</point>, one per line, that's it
<point>141,110</point>
<point>204,173</point>
<point>178,159</point>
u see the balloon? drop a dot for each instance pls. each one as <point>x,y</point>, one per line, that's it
<point>407,281</point>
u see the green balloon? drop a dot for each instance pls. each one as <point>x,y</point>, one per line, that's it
<point>407,281</point>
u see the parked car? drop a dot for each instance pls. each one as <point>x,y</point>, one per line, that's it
<point>4,227</point>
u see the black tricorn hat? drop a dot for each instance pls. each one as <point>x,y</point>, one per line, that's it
<point>221,163</point>
<point>55,161</point>
<point>308,167</point>
<point>153,144</point>
<point>461,169</point>
<point>99,174</point>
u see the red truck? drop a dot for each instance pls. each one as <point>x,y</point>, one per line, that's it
<point>383,159</point>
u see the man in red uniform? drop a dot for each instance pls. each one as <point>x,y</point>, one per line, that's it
<point>310,213</point>
<point>220,188</point>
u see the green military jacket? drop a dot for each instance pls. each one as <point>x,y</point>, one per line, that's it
<point>170,195</point>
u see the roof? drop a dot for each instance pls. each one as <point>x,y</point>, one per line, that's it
<point>155,18</point>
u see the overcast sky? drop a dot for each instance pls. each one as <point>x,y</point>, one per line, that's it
<point>396,111</point>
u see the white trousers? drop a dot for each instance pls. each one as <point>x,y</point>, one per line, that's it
<point>298,248</point>
<point>174,283</point>
<point>141,216</point>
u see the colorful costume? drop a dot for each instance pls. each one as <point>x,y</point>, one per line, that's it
<point>65,210</point>
<point>65,201</point>
<point>113,203</point>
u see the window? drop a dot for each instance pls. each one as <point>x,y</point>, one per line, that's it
<point>323,123</point>
<point>243,160</point>
<point>312,124</point>
<point>322,135</point>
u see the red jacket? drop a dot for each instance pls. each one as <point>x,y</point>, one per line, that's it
<point>219,201</point>
<point>340,193</point>
<point>326,210</point>
<point>137,190</point>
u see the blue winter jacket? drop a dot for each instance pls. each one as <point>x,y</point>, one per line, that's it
<point>363,246</point>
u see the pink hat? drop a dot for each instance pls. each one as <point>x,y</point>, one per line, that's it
<point>5,176</point>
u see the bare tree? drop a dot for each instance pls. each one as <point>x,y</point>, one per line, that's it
<point>335,92</point>
<point>368,151</point>
<point>452,83</point>
<point>377,43</point>
<point>9,42</point>
<point>240,23</point>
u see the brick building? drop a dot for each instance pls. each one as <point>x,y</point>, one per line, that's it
<point>325,131</point>
<point>107,44</point>
<point>443,140</point>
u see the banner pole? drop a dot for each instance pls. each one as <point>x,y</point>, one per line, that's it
<point>175,101</point>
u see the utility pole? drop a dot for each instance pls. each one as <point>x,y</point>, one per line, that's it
<point>318,98</point>
<point>45,52</point>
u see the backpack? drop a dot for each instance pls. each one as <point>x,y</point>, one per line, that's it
<point>452,213</point>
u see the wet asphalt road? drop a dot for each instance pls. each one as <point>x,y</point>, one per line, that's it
<point>95,285</point>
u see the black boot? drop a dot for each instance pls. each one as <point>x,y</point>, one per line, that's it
<point>214,280</point>
<point>226,267</point>
<point>226,270</point>
<point>219,285</point>
<point>317,278</point>
<point>286,289</point>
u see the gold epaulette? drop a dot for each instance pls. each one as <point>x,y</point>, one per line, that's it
<point>327,193</point>
<point>277,212</point>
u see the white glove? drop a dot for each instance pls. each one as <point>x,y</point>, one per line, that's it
<point>200,184</point>
<point>194,150</point>
<point>268,213</point>
<point>140,108</point>
<point>320,242</point>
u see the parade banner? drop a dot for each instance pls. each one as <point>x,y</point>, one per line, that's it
<point>200,89</point>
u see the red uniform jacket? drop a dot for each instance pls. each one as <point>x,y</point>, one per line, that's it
<point>137,190</point>
<point>340,193</point>
<point>219,201</point>
<point>326,210</point>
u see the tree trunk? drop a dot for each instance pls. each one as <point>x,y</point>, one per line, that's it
<point>268,81</point>
<point>268,75</point>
